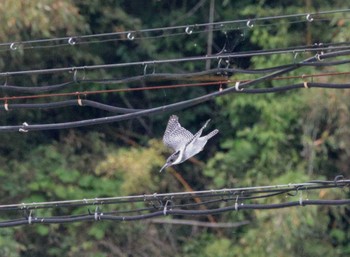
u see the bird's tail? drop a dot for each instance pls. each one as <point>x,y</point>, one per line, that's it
<point>199,133</point>
<point>211,134</point>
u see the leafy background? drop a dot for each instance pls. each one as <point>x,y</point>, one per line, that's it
<point>264,139</point>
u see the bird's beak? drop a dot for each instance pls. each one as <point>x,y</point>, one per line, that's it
<point>164,167</point>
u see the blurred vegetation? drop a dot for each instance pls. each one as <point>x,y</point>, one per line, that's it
<point>264,139</point>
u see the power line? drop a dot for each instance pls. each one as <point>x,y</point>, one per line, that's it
<point>105,107</point>
<point>85,93</point>
<point>219,81</point>
<point>167,205</point>
<point>316,48</point>
<point>131,114</point>
<point>79,102</point>
<point>199,223</point>
<point>100,216</point>
<point>241,192</point>
<point>216,75</point>
<point>239,88</point>
<point>163,31</point>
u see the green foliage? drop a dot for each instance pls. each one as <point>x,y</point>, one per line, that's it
<point>8,246</point>
<point>326,144</point>
<point>207,245</point>
<point>289,232</point>
<point>138,176</point>
<point>262,127</point>
<point>264,139</point>
<point>221,247</point>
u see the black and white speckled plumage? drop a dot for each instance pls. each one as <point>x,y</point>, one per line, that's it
<point>183,142</point>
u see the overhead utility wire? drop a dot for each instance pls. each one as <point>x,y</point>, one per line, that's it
<point>241,192</point>
<point>130,37</point>
<point>86,93</point>
<point>88,103</point>
<point>79,102</point>
<point>135,35</point>
<point>100,216</point>
<point>217,74</point>
<point>221,82</point>
<point>171,107</point>
<point>130,34</point>
<point>293,51</point>
<point>166,210</point>
<point>134,113</point>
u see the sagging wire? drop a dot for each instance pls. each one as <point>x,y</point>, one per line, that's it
<point>79,102</point>
<point>168,207</point>
<point>189,29</point>
<point>88,103</point>
<point>172,212</point>
<point>195,101</point>
<point>294,50</point>
<point>86,93</point>
<point>127,114</point>
<point>243,192</point>
<point>208,75</point>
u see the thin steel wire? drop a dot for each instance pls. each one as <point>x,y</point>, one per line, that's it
<point>195,101</point>
<point>218,81</point>
<point>325,47</point>
<point>243,191</point>
<point>97,216</point>
<point>165,31</point>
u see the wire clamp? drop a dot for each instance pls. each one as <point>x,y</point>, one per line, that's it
<point>72,41</point>
<point>309,17</point>
<point>165,207</point>
<point>301,198</point>
<point>318,57</point>
<point>75,71</point>
<point>97,214</point>
<point>145,70</point>
<point>250,24</point>
<point>30,218</point>
<point>75,74</point>
<point>305,82</point>
<point>22,129</point>
<point>189,30</point>
<point>6,105</point>
<point>131,35</point>
<point>237,86</point>
<point>295,55</point>
<point>236,204</point>
<point>80,103</point>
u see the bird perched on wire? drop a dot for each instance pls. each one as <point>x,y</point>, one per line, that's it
<point>183,142</point>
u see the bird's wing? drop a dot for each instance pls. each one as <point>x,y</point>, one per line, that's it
<point>211,134</point>
<point>199,133</point>
<point>176,136</point>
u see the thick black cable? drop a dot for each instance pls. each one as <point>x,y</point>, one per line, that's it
<point>78,103</point>
<point>130,35</point>
<point>160,199</point>
<point>179,105</point>
<point>242,206</point>
<point>162,76</point>
<point>295,86</point>
<point>289,50</point>
<point>133,113</point>
<point>22,89</point>
<point>99,216</point>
